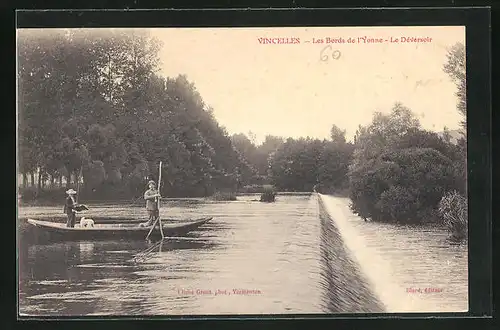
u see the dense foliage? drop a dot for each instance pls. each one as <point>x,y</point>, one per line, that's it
<point>93,104</point>
<point>299,164</point>
<point>400,172</point>
<point>453,212</point>
<point>93,109</point>
<point>268,196</point>
<point>455,68</point>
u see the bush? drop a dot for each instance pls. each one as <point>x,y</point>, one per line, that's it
<point>268,196</point>
<point>403,186</point>
<point>328,189</point>
<point>224,196</point>
<point>255,188</point>
<point>367,184</point>
<point>31,194</point>
<point>453,212</point>
<point>399,172</point>
<point>28,194</point>
<point>398,203</point>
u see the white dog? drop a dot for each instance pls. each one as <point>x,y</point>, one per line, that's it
<point>84,222</point>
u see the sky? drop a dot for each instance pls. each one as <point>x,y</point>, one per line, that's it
<point>287,90</point>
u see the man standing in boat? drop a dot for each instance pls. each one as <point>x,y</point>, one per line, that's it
<point>151,196</point>
<point>69,208</point>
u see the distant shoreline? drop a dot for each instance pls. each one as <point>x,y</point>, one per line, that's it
<point>46,203</point>
<point>283,193</point>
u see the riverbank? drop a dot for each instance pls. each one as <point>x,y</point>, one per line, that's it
<point>139,200</point>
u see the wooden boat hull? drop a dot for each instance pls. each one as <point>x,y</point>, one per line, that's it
<point>59,231</point>
<point>97,220</point>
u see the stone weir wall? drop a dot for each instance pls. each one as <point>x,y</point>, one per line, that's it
<point>346,289</point>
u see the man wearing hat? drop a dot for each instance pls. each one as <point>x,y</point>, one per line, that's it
<point>69,207</point>
<point>151,196</point>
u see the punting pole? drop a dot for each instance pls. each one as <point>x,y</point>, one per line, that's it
<point>159,192</point>
<point>158,220</point>
<point>78,185</point>
<point>147,253</point>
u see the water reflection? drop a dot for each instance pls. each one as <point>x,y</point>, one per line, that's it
<point>249,245</point>
<point>81,278</point>
<point>86,251</point>
<point>288,251</point>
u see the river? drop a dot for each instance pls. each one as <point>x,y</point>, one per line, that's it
<point>290,255</point>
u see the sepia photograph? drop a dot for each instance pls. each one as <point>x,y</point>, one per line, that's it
<point>241,171</point>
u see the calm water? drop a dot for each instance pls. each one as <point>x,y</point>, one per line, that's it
<point>287,252</point>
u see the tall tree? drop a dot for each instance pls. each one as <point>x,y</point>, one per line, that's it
<point>455,68</point>
<point>93,100</point>
<point>337,135</point>
<point>399,171</point>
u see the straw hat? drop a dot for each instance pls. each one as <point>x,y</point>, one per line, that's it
<point>70,192</point>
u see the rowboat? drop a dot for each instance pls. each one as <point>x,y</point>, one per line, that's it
<point>97,220</point>
<point>171,227</point>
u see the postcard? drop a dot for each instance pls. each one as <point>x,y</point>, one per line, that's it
<point>242,171</point>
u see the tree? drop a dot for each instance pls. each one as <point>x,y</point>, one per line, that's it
<point>455,68</point>
<point>244,146</point>
<point>252,137</point>
<point>337,135</point>
<point>74,155</point>
<point>385,129</point>
<point>301,164</point>
<point>264,151</point>
<point>399,171</point>
<point>333,166</point>
<point>446,135</point>
<point>93,100</point>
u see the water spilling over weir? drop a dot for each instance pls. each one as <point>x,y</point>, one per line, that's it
<point>360,278</point>
<point>304,254</point>
<point>346,290</point>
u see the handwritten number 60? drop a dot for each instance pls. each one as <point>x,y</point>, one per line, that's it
<point>335,54</point>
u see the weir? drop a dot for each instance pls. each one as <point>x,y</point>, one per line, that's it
<point>358,278</point>
<point>345,288</point>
